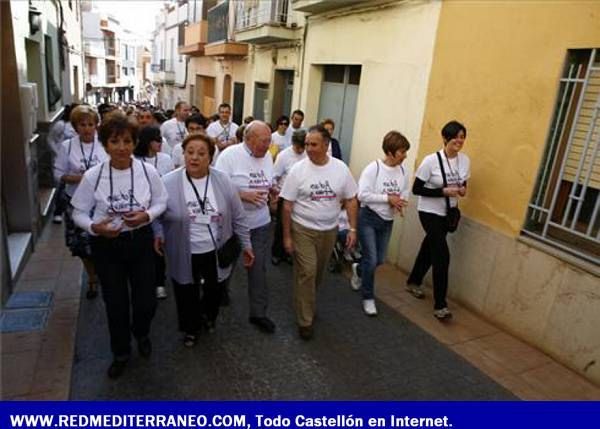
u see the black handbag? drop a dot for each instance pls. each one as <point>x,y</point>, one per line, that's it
<point>228,252</point>
<point>452,213</point>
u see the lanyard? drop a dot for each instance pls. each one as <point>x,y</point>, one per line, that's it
<point>87,162</point>
<point>131,192</point>
<point>179,131</point>
<point>203,201</point>
<point>155,161</point>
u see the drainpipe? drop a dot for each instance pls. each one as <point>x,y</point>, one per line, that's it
<point>303,47</point>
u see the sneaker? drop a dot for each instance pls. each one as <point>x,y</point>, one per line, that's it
<point>442,314</point>
<point>415,291</point>
<point>189,340</point>
<point>355,281</point>
<point>57,219</point>
<point>161,292</point>
<point>348,255</point>
<point>369,307</point>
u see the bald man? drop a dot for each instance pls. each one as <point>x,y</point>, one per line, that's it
<point>250,167</point>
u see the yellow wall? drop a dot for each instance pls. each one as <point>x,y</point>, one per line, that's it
<point>496,68</point>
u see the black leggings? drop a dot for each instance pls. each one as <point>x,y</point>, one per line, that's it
<point>433,253</point>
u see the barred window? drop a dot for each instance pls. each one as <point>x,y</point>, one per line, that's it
<point>564,209</point>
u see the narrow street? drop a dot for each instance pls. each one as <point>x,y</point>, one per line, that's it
<point>351,357</point>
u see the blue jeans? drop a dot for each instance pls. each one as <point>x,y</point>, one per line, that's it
<point>374,236</point>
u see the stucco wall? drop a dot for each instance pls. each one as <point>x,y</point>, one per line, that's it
<point>394,46</point>
<point>497,67</point>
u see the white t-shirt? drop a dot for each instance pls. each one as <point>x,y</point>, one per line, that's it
<point>281,141</point>
<point>284,163</point>
<point>317,192</point>
<point>249,174</point>
<point>161,162</point>
<point>146,194</point>
<point>76,158</point>
<point>458,171</point>
<point>377,181</point>
<point>200,238</point>
<point>173,131</point>
<point>220,132</point>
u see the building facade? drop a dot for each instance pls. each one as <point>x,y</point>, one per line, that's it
<point>42,70</point>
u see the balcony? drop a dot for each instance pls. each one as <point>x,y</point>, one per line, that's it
<point>111,78</point>
<point>196,36</point>
<point>166,77</point>
<point>219,43</point>
<point>319,6</point>
<point>265,22</point>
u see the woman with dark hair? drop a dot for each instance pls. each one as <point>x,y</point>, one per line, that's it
<point>335,149</point>
<point>77,155</point>
<point>115,202</point>
<point>203,212</point>
<point>279,140</point>
<point>148,150</point>
<point>440,181</point>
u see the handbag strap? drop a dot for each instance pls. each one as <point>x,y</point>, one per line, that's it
<point>202,203</point>
<point>439,157</point>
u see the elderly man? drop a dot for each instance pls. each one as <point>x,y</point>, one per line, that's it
<point>251,169</point>
<point>173,130</point>
<point>314,191</point>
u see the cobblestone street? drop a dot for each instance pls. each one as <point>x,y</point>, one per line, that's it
<point>351,357</point>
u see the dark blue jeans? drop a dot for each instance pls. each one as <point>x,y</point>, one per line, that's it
<point>374,236</point>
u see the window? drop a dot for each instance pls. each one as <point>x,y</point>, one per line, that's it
<point>565,206</point>
<point>124,71</point>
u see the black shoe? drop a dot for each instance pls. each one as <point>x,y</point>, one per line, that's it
<point>275,260</point>
<point>289,260</point>
<point>91,293</point>
<point>116,368</point>
<point>264,324</point>
<point>306,332</point>
<point>145,347</point>
<point>190,340</point>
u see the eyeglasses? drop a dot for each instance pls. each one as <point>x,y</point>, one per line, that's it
<point>284,123</point>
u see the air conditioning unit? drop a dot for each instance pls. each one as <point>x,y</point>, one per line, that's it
<point>29,108</point>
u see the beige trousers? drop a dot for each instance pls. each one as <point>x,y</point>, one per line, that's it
<point>312,250</point>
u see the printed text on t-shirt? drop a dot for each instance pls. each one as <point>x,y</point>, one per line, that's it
<point>322,191</point>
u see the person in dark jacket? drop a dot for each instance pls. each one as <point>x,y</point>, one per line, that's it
<point>334,145</point>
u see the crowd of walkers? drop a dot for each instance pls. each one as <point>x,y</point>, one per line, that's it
<point>148,195</point>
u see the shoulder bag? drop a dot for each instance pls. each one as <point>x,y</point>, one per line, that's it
<point>452,213</point>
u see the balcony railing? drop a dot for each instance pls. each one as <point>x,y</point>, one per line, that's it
<point>276,13</point>
<point>319,6</point>
<point>196,36</point>
<point>218,22</point>
<point>111,78</point>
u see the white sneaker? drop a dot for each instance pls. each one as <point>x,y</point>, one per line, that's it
<point>161,292</point>
<point>442,313</point>
<point>57,219</point>
<point>355,281</point>
<point>369,307</point>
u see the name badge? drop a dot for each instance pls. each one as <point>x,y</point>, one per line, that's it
<point>203,219</point>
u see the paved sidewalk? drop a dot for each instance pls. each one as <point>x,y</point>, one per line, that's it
<point>402,354</point>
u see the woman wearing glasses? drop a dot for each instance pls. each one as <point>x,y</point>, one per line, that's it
<point>75,156</point>
<point>203,211</point>
<point>279,140</point>
<point>115,202</point>
<point>148,150</point>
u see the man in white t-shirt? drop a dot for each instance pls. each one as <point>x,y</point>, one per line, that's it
<point>224,129</point>
<point>283,164</point>
<point>314,191</point>
<point>296,125</point>
<point>250,168</point>
<point>173,130</point>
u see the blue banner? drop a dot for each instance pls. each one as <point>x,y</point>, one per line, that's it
<point>282,415</point>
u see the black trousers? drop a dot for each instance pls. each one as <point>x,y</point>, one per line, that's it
<point>433,253</point>
<point>125,266</point>
<point>159,267</point>
<point>277,249</point>
<point>192,308</point>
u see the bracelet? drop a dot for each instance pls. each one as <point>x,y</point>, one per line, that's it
<point>352,229</point>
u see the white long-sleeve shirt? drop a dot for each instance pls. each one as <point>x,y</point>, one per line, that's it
<point>131,191</point>
<point>377,181</point>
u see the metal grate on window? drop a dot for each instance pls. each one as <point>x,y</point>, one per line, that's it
<point>565,206</point>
